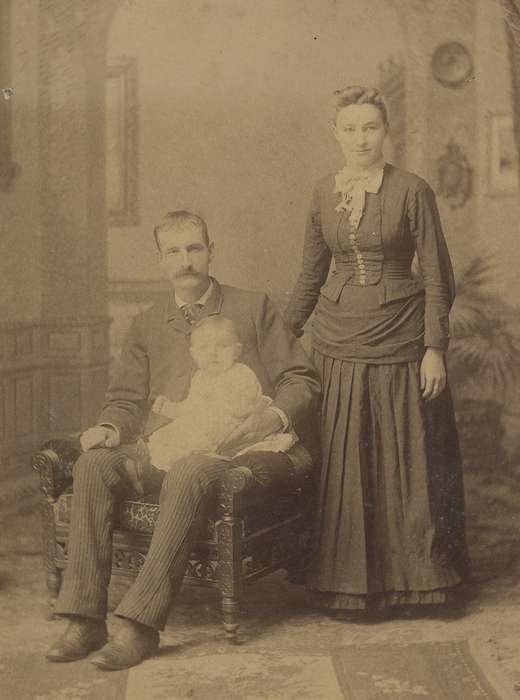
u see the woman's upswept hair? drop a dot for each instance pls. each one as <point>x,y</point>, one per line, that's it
<point>360,95</point>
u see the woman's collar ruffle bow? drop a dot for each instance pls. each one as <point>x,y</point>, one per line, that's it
<point>352,188</point>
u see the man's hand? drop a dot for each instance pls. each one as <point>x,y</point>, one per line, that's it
<point>433,374</point>
<point>255,428</point>
<point>99,436</point>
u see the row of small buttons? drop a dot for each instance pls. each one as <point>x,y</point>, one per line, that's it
<point>359,257</point>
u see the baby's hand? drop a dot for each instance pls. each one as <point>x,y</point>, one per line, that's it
<point>160,404</point>
<point>166,407</point>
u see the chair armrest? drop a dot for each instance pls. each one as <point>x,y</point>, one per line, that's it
<point>243,483</point>
<point>54,462</point>
<point>248,479</point>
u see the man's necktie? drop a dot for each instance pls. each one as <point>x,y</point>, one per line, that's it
<point>191,312</point>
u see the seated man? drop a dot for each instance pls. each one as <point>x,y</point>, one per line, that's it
<point>156,362</point>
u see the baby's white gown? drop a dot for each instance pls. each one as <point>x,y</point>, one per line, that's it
<point>215,405</point>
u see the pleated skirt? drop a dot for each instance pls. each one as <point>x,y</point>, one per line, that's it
<point>390,517</point>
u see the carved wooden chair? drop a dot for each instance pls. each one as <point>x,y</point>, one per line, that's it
<point>257,524</point>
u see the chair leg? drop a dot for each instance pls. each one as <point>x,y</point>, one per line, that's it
<point>53,588</point>
<point>53,574</point>
<point>231,613</point>
<point>298,567</point>
<point>297,573</point>
<point>229,574</point>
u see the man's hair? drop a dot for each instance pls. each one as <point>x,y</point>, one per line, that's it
<point>176,219</point>
<point>216,322</point>
<point>361,95</point>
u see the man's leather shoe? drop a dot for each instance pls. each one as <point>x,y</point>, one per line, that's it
<point>131,644</point>
<point>82,636</point>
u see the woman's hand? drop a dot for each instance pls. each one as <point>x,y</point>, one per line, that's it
<point>433,374</point>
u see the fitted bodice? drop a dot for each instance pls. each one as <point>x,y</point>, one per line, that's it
<point>370,306</point>
<point>362,257</point>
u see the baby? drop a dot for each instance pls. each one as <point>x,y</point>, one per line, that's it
<point>222,394</point>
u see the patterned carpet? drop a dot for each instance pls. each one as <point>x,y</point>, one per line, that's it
<point>290,651</point>
<point>248,675</point>
<point>31,677</point>
<point>433,670</point>
<point>436,670</point>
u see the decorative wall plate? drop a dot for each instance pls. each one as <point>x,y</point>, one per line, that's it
<point>452,64</point>
<point>454,176</point>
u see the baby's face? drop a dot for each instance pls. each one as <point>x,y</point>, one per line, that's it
<point>214,349</point>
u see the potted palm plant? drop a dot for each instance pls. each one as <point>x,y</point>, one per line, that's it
<point>483,360</point>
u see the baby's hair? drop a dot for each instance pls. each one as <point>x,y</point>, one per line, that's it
<point>216,322</point>
<point>176,219</point>
<point>361,95</point>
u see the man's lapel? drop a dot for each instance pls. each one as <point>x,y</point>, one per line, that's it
<point>213,306</point>
<point>214,303</point>
<point>176,318</point>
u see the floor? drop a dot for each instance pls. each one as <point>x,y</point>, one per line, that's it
<point>286,647</point>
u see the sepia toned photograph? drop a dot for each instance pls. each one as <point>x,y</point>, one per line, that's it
<point>260,349</point>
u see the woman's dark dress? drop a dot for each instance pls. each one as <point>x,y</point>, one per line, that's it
<point>390,524</point>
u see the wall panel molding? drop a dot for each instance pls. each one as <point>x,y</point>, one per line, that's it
<point>53,376</point>
<point>24,404</point>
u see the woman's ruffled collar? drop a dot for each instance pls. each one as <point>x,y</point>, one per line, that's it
<point>353,184</point>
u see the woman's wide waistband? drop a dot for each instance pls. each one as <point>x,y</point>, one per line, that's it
<point>393,284</point>
<point>396,269</point>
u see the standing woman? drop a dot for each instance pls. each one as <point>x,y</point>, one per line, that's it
<point>390,527</point>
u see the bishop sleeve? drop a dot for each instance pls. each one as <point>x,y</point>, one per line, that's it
<point>435,265</point>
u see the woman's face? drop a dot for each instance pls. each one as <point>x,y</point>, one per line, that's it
<point>361,132</point>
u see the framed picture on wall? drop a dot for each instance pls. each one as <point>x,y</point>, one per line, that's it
<point>122,143</point>
<point>503,176</point>
<point>8,169</point>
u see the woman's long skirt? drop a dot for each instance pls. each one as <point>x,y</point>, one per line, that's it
<point>390,526</point>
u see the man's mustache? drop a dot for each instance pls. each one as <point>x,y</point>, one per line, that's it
<point>188,272</point>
